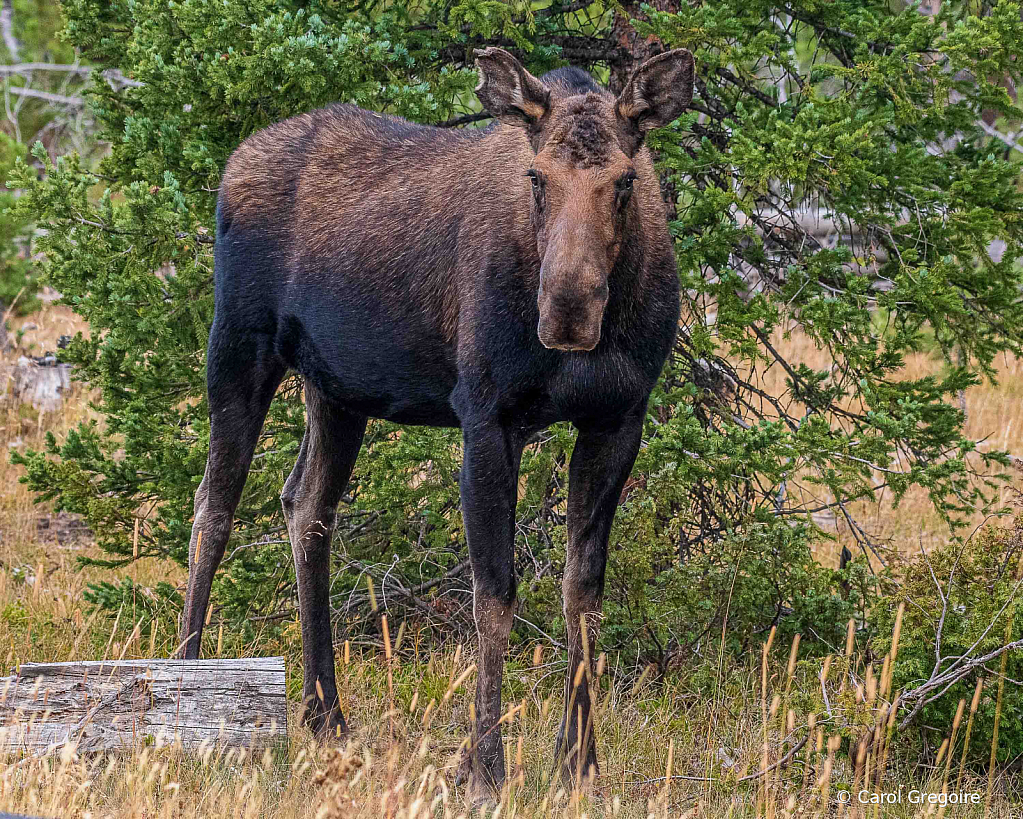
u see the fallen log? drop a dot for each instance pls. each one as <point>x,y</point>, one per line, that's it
<point>113,705</point>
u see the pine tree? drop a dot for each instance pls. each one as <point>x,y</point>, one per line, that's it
<point>870,122</point>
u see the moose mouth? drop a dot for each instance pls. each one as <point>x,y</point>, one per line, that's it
<point>569,339</point>
<point>572,297</point>
<point>569,322</point>
<point>570,347</point>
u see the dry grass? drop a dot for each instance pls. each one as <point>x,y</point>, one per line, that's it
<point>659,757</point>
<point>673,748</point>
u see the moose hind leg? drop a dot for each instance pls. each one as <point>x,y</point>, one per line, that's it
<point>240,392</point>
<point>311,494</point>
<point>601,462</point>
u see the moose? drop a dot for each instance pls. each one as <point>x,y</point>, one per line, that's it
<point>497,280</point>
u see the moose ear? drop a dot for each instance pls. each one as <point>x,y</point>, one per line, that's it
<point>508,91</point>
<point>657,93</point>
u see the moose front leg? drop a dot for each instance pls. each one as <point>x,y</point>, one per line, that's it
<point>601,463</point>
<point>488,485</point>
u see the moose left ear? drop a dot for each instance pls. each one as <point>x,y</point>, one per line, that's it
<point>508,91</point>
<point>657,93</point>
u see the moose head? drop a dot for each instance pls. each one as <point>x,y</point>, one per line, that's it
<point>583,176</point>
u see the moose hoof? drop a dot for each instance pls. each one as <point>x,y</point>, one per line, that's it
<point>482,789</point>
<point>483,793</point>
<point>573,780</point>
<point>575,777</point>
<point>326,725</point>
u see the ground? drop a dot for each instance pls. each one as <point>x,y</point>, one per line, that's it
<point>666,749</point>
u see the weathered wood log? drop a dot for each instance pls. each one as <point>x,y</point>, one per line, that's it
<point>105,706</point>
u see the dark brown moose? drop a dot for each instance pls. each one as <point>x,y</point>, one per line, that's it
<point>498,280</point>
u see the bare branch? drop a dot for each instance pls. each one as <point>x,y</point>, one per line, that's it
<point>114,76</point>
<point>465,119</point>
<point>7,29</point>
<point>26,69</point>
<point>56,99</point>
<point>1007,140</point>
<point>950,678</point>
<point>748,778</point>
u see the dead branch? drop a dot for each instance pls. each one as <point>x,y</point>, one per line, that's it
<point>115,77</point>
<point>961,666</point>
<point>7,28</point>
<point>55,99</point>
<point>950,678</point>
<point>27,69</point>
<point>748,778</point>
<point>390,584</point>
<point>993,132</point>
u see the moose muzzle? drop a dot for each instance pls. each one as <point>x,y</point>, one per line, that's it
<point>571,310</point>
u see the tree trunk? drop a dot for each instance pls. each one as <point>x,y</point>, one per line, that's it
<point>635,50</point>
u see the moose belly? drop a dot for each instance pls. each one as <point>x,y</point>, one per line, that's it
<point>372,371</point>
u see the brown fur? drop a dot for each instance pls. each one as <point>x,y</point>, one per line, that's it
<point>583,133</point>
<point>255,179</point>
<point>419,179</point>
<point>493,626</point>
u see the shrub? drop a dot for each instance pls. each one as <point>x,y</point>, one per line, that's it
<point>18,285</point>
<point>860,112</point>
<point>961,604</point>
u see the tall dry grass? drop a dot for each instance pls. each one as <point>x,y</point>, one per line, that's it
<point>994,413</point>
<point>664,754</point>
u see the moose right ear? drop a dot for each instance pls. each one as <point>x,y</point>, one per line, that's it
<point>659,91</point>
<point>508,91</point>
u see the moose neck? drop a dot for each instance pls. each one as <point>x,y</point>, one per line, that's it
<point>626,282</point>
